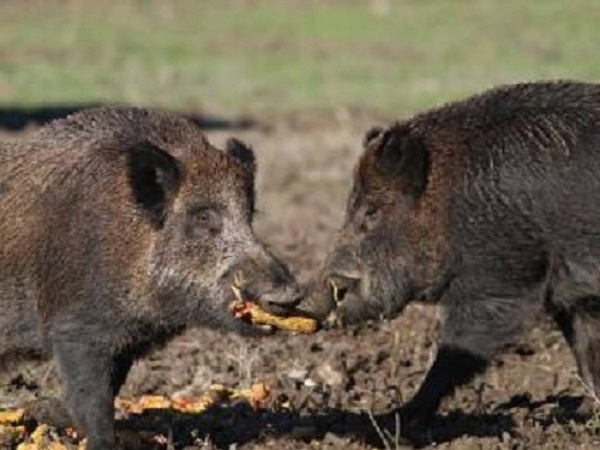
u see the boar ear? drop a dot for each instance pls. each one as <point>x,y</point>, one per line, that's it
<point>372,136</point>
<point>154,176</point>
<point>242,153</point>
<point>403,156</point>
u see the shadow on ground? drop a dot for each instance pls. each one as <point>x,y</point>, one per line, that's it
<point>236,424</point>
<point>240,425</point>
<point>16,118</point>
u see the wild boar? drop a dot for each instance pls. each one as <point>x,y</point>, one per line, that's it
<point>486,207</point>
<point>120,227</point>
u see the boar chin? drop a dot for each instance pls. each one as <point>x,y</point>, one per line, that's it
<point>356,310</point>
<point>385,298</point>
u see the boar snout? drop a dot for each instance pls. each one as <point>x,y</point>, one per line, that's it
<point>348,296</point>
<point>329,297</point>
<point>270,285</point>
<point>343,292</point>
<point>340,287</point>
<point>317,303</point>
<point>281,301</point>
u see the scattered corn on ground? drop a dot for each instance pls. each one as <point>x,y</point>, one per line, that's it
<point>250,311</point>
<point>14,429</point>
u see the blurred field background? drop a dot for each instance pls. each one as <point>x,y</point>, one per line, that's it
<point>313,76</point>
<point>277,56</point>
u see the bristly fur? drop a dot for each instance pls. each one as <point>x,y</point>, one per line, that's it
<point>120,227</point>
<point>486,206</point>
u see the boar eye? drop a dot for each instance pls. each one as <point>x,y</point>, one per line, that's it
<point>372,211</point>
<point>204,218</point>
<point>371,215</point>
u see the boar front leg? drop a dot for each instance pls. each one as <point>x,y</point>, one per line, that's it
<point>453,366</point>
<point>120,368</point>
<point>586,347</point>
<point>474,327</point>
<point>579,322</point>
<point>85,370</point>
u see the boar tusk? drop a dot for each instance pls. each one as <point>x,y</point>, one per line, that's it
<point>335,290</point>
<point>238,278</point>
<point>237,292</point>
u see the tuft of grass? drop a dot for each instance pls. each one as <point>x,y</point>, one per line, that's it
<point>245,359</point>
<point>390,441</point>
<point>263,56</point>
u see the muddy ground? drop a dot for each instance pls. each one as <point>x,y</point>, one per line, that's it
<point>326,387</point>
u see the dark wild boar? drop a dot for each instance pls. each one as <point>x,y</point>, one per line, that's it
<point>487,207</point>
<point>119,227</point>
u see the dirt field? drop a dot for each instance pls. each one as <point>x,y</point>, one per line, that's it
<point>325,387</point>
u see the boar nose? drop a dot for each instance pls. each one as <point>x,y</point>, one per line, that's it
<point>341,285</point>
<point>290,298</point>
<point>274,298</point>
<point>281,301</point>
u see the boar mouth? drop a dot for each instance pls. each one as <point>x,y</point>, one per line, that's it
<point>239,298</point>
<point>340,317</point>
<point>275,297</point>
<point>352,305</point>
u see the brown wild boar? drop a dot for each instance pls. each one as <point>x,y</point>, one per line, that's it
<point>486,207</point>
<point>120,227</point>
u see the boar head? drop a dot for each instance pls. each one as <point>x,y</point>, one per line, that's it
<point>392,246</point>
<point>199,205</point>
